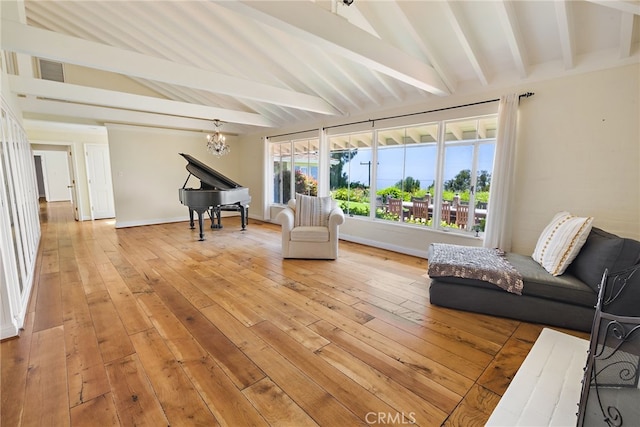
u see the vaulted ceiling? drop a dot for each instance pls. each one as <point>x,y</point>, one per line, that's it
<point>268,64</point>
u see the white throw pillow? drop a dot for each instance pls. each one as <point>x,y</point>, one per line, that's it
<point>560,242</point>
<point>312,211</point>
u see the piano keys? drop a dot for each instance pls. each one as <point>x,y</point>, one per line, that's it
<point>217,193</point>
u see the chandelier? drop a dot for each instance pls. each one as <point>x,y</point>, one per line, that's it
<point>216,144</point>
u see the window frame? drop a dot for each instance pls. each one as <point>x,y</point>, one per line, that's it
<point>439,119</point>
<point>295,166</point>
<point>476,143</point>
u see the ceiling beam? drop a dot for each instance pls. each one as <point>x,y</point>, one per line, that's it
<point>509,21</point>
<point>108,98</point>
<point>482,129</point>
<point>565,29</point>
<point>456,131</point>
<point>335,34</point>
<point>459,28</point>
<point>626,34</point>
<point>433,132</point>
<point>404,32</point>
<point>15,10</point>
<point>59,47</point>
<point>632,6</point>
<point>100,115</point>
<point>414,134</point>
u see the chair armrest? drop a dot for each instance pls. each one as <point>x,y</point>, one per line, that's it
<point>336,217</point>
<point>285,218</point>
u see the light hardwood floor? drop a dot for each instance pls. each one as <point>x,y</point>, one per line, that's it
<point>149,326</point>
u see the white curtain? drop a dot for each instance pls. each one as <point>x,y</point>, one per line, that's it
<point>498,227</point>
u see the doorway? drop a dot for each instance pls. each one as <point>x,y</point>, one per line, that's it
<point>55,174</point>
<point>42,191</point>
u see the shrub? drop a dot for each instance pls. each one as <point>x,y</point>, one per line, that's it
<point>354,208</point>
<point>393,192</point>
<point>358,194</point>
<point>306,184</point>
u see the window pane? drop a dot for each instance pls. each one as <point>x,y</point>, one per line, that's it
<point>468,164</point>
<point>306,166</point>
<point>406,171</point>
<point>350,172</point>
<point>281,163</point>
<point>486,154</point>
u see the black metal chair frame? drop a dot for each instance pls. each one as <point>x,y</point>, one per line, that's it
<point>610,395</point>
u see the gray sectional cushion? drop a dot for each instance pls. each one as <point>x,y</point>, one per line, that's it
<point>497,302</point>
<point>603,250</point>
<point>539,283</point>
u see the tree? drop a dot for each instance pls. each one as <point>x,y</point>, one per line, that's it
<point>459,183</point>
<point>338,178</point>
<point>306,184</point>
<point>484,181</point>
<point>409,184</point>
<point>462,181</point>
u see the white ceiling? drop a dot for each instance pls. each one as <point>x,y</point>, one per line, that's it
<point>262,64</point>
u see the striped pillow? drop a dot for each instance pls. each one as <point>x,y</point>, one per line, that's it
<point>560,242</point>
<point>312,211</point>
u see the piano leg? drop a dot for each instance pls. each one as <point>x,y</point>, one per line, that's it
<point>201,223</point>
<point>244,214</point>
<point>191,225</point>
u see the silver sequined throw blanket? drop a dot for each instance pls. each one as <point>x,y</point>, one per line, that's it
<point>489,265</point>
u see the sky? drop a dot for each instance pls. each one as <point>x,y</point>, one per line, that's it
<point>420,164</point>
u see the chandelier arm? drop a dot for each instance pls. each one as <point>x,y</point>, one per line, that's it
<point>216,142</point>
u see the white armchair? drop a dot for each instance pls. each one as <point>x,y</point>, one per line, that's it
<point>310,227</point>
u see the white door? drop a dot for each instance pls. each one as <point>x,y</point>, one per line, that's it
<point>99,180</point>
<point>58,176</point>
<point>73,188</point>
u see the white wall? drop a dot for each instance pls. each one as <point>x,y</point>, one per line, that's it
<point>148,171</point>
<point>578,150</point>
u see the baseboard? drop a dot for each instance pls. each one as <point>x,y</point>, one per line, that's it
<point>8,331</point>
<point>382,245</point>
<point>155,221</point>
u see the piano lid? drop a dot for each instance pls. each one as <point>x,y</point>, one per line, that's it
<point>208,175</point>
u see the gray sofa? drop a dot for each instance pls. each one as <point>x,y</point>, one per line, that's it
<point>566,301</point>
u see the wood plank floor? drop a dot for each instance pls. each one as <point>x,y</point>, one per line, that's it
<point>149,326</point>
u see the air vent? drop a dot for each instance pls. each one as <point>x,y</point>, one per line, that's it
<point>50,70</point>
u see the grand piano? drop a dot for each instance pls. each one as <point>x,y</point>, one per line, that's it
<point>216,193</point>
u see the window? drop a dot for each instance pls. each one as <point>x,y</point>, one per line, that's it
<point>406,170</point>
<point>435,174</point>
<point>305,166</point>
<point>299,157</point>
<point>281,163</point>
<point>469,147</point>
<point>350,172</point>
